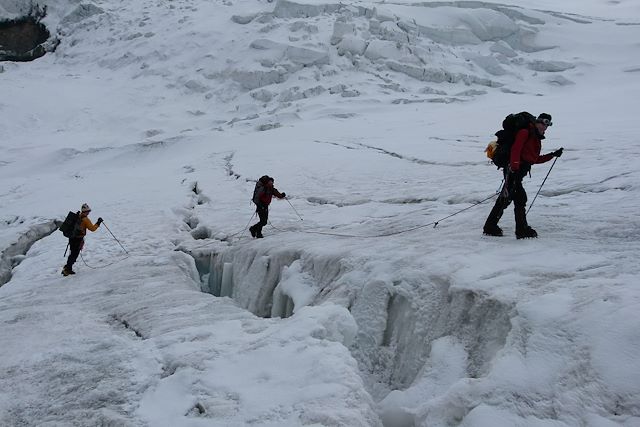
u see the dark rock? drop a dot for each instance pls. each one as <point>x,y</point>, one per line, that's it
<point>22,39</point>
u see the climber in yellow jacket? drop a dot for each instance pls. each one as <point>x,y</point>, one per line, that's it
<point>76,241</point>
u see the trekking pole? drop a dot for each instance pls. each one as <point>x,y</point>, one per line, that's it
<point>105,226</point>
<point>65,251</point>
<point>543,181</point>
<point>293,208</point>
<point>435,223</point>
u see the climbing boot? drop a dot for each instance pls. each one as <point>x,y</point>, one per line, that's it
<point>523,231</point>
<point>492,230</point>
<point>259,235</point>
<point>491,224</point>
<point>526,233</point>
<point>67,271</point>
<point>252,231</point>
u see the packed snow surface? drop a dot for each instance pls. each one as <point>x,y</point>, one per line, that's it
<point>374,299</point>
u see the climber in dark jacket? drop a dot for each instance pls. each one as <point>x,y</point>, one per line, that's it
<point>262,195</point>
<point>524,153</point>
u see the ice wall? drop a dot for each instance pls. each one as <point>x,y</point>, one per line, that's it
<point>439,43</point>
<point>14,252</point>
<point>272,60</point>
<point>398,321</point>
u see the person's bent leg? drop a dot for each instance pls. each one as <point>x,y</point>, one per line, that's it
<point>491,227</point>
<point>75,245</point>
<point>523,230</point>
<point>263,214</point>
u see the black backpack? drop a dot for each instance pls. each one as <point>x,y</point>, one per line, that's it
<point>259,189</point>
<point>501,151</point>
<point>70,227</point>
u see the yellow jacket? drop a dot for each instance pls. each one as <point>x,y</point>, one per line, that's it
<point>85,224</point>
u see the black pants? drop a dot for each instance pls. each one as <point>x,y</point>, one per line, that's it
<point>263,214</point>
<point>511,191</point>
<point>75,246</point>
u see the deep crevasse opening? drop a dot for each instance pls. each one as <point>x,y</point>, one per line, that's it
<point>410,329</point>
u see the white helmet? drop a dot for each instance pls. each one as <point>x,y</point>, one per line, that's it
<point>85,208</point>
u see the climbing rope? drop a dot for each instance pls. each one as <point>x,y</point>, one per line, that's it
<point>102,266</point>
<point>111,263</point>
<point>246,226</point>
<point>393,233</point>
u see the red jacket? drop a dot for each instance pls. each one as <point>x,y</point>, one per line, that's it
<point>526,149</point>
<point>267,193</point>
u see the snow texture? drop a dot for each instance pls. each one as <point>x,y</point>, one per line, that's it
<point>374,299</point>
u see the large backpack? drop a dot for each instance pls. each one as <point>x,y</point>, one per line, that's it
<point>259,189</point>
<point>70,227</point>
<point>499,151</point>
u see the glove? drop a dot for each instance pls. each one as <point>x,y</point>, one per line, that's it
<point>284,194</point>
<point>99,221</point>
<point>558,152</point>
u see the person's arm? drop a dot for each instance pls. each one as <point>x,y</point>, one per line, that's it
<point>516,149</point>
<point>549,156</point>
<point>544,158</point>
<point>89,225</point>
<point>278,194</point>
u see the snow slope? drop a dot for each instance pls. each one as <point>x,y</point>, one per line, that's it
<point>372,117</point>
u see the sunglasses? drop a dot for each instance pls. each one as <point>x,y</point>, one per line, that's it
<point>545,122</point>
